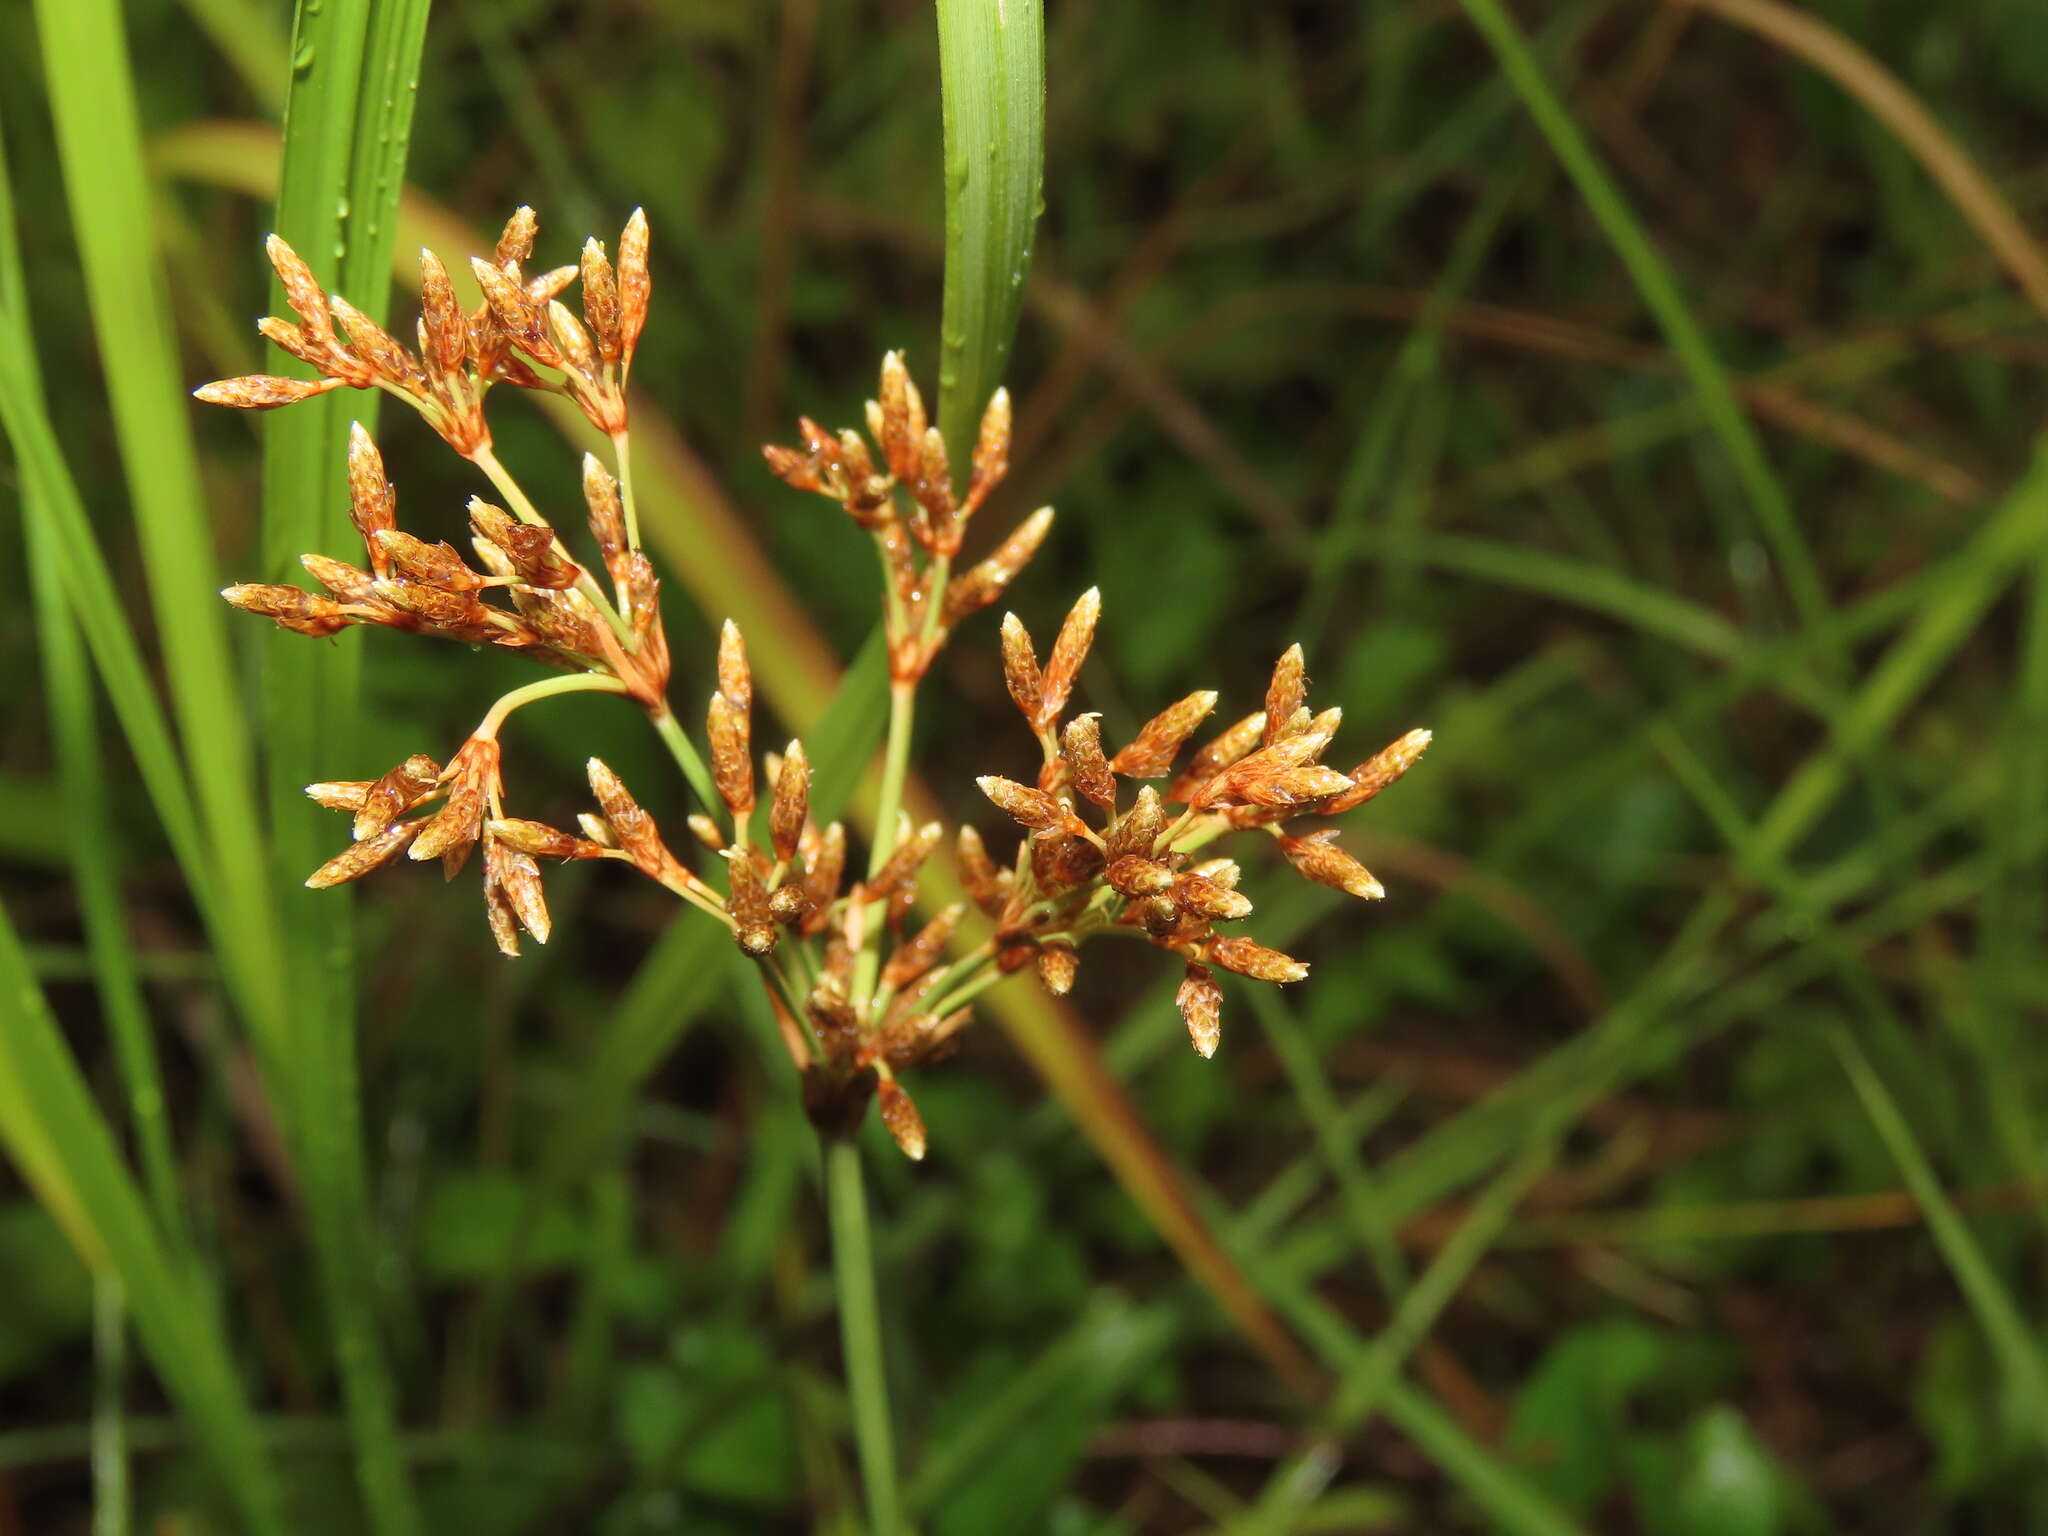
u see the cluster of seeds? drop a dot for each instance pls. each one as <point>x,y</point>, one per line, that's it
<point>862,990</point>
<point>1138,870</point>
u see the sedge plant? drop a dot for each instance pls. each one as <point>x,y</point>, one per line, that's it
<point>866,989</point>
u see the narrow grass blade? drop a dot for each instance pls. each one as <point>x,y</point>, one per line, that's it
<point>348,121</point>
<point>992,91</point>
<point>56,1136</point>
<point>99,142</point>
<point>81,772</point>
<point>1610,208</point>
<point>2012,1340</point>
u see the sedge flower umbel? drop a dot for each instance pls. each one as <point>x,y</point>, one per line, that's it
<point>868,980</point>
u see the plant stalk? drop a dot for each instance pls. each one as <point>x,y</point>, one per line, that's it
<point>860,1333</point>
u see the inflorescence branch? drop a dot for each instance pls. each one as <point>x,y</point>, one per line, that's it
<point>861,993</point>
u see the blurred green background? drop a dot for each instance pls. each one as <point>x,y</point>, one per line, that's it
<point>1662,1156</point>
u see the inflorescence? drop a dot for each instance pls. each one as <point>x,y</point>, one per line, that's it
<point>860,990</point>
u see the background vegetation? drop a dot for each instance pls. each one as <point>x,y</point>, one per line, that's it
<point>1662,1155</point>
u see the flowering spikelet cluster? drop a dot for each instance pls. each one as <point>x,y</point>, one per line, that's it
<point>1092,863</point>
<point>919,537</point>
<point>863,990</point>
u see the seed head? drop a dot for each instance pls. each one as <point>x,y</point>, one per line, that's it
<point>1020,668</point>
<point>395,793</point>
<point>980,585</point>
<point>901,1118</point>
<point>1220,753</point>
<point>1377,772</point>
<point>1151,752</point>
<point>1284,693</point>
<point>732,768</point>
<point>1201,1004</point>
<point>1087,768</point>
<point>792,802</point>
<point>1252,959</point>
<point>991,453</point>
<point>1032,808</point>
<point>1057,966</point>
<point>978,872</point>
<point>262,391</point>
<point>633,287</point>
<point>358,859</point>
<point>916,955</point>
<point>1068,652</point>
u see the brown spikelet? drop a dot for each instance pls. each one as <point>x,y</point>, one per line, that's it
<point>1063,666</point>
<point>632,826</point>
<point>991,453</point>
<point>792,803</point>
<point>789,905</point>
<point>377,347</point>
<point>447,327</point>
<point>754,922</point>
<point>732,766</point>
<point>1134,875</point>
<point>1057,967</point>
<point>515,245</point>
<point>339,794</point>
<point>1201,1004</point>
<point>1020,668</point>
<point>437,565</point>
<point>601,300</point>
<point>372,505</point>
<point>579,352</point>
<point>706,830</point>
<point>735,678</point>
<point>517,313</point>
<point>978,872</point>
<point>1277,787</point>
<point>915,955</point>
<point>1377,772</point>
<point>542,840</point>
<point>633,286</point>
<point>823,873</point>
<point>1060,861</point>
<point>1210,899</point>
<point>302,290</point>
<point>358,859</point>
<point>980,585</point>
<point>607,516</point>
<point>1087,768</point>
<point>1032,808</point>
<point>1151,752</point>
<point>902,420</point>
<point>901,867</point>
<point>531,550</point>
<point>1220,753</point>
<point>1284,693</point>
<point>1252,959</point>
<point>1138,829</point>
<point>397,792</point>
<point>457,614</point>
<point>512,890</point>
<point>262,391</point>
<point>470,777</point>
<point>901,1118</point>
<point>1321,860</point>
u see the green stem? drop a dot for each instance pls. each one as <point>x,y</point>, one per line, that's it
<point>860,1333</point>
<point>687,759</point>
<point>622,455</point>
<point>895,770</point>
<point>547,688</point>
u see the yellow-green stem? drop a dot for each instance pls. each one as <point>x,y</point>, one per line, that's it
<point>622,454</point>
<point>687,759</point>
<point>546,688</point>
<point>860,1334</point>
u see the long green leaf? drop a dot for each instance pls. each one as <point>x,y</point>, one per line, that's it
<point>54,1132</point>
<point>1610,208</point>
<point>81,771</point>
<point>99,142</point>
<point>347,128</point>
<point>992,95</point>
